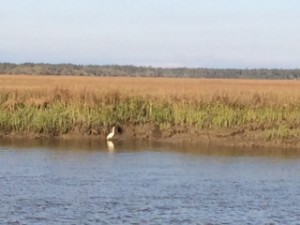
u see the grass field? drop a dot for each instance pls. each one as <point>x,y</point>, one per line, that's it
<point>56,105</point>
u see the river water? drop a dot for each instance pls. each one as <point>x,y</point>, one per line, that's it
<point>87,182</point>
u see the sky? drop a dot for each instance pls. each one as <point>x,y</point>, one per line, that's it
<point>158,33</point>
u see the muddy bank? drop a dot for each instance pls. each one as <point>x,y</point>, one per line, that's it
<point>218,137</point>
<point>172,135</point>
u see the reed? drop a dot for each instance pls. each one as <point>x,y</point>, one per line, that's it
<point>56,105</point>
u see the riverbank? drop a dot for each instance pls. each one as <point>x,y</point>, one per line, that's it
<point>173,135</point>
<point>224,112</point>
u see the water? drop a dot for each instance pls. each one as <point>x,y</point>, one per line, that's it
<point>79,182</point>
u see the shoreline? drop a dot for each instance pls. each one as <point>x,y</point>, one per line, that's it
<point>240,138</point>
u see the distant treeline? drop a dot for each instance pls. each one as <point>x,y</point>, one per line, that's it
<point>143,71</point>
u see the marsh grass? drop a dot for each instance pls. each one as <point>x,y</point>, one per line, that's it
<point>59,105</point>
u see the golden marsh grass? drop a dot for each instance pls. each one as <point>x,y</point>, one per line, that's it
<point>244,91</point>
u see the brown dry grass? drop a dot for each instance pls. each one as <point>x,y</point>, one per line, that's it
<point>204,90</point>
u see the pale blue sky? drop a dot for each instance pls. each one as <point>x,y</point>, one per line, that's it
<point>168,33</point>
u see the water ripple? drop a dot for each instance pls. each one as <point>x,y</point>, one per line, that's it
<point>146,188</point>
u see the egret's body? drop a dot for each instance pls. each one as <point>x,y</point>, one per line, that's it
<point>111,134</point>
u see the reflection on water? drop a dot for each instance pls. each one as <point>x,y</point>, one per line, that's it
<point>81,182</point>
<point>110,146</point>
<point>89,145</point>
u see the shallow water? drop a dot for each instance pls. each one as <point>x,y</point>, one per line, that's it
<point>83,182</point>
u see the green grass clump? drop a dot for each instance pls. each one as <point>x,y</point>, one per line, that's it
<point>281,133</point>
<point>63,114</point>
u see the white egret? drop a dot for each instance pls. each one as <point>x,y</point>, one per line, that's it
<point>111,134</point>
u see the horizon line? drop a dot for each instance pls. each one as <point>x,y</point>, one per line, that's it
<point>154,67</point>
